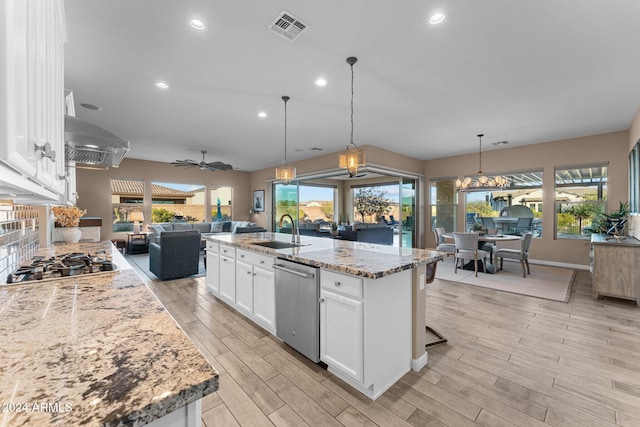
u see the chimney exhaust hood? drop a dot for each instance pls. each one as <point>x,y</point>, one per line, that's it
<point>88,144</point>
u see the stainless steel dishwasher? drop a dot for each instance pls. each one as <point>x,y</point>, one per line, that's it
<point>297,307</point>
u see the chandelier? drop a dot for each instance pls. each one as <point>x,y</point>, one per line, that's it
<point>482,181</point>
<point>286,171</point>
<point>352,158</point>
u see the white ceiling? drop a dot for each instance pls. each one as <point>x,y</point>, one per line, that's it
<point>515,70</point>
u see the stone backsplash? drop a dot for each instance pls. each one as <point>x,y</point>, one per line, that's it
<point>19,236</point>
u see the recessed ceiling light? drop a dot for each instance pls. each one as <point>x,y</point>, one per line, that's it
<point>197,24</point>
<point>162,85</point>
<point>90,107</point>
<point>262,114</point>
<point>321,82</point>
<point>436,18</point>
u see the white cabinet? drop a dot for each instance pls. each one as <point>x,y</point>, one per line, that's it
<point>244,287</point>
<point>341,333</point>
<point>365,329</point>
<point>32,162</point>
<point>228,279</point>
<point>264,297</point>
<point>255,287</point>
<point>213,268</point>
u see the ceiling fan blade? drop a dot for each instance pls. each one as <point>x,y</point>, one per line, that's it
<point>212,168</point>
<point>188,161</point>
<point>220,166</point>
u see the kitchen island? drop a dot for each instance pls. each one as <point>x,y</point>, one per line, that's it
<point>96,350</point>
<point>371,297</point>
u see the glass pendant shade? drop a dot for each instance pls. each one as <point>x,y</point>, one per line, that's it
<point>351,159</point>
<point>285,172</point>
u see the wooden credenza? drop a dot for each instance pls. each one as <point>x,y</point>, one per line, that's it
<point>616,264</point>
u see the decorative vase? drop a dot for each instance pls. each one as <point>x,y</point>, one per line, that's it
<point>71,234</point>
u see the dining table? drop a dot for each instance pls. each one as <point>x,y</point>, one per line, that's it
<point>489,238</point>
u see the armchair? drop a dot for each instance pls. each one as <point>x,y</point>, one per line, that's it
<point>177,255</point>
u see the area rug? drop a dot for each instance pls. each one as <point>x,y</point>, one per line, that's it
<point>546,282</point>
<point>142,262</point>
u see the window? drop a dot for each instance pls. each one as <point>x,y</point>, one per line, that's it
<point>305,203</point>
<point>376,203</point>
<point>444,203</point>
<point>177,202</point>
<point>221,198</point>
<point>126,203</point>
<point>581,194</point>
<point>634,179</point>
<point>501,209</point>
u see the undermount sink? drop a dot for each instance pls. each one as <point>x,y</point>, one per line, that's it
<point>276,244</point>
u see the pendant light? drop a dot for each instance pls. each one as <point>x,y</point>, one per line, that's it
<point>286,171</point>
<point>482,181</point>
<point>352,158</point>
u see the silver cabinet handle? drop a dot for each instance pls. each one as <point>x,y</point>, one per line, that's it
<point>321,300</point>
<point>297,273</point>
<point>45,151</point>
<point>337,283</point>
<point>248,272</point>
<point>241,255</point>
<point>262,262</point>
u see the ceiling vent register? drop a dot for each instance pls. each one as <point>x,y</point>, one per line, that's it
<point>288,26</point>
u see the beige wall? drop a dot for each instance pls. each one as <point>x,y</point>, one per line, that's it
<point>94,189</point>
<point>634,136</point>
<point>610,147</point>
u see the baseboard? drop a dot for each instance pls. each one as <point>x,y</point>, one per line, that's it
<point>420,362</point>
<point>557,264</point>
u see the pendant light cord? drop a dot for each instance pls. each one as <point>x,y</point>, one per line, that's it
<point>352,104</point>
<point>480,153</point>
<point>285,99</point>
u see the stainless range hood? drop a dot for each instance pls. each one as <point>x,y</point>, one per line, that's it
<point>88,144</point>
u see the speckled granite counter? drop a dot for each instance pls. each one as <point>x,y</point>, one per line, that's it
<point>360,259</point>
<point>94,351</point>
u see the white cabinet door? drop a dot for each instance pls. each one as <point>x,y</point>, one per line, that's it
<point>264,297</point>
<point>244,287</point>
<point>213,272</point>
<point>32,112</point>
<point>228,279</point>
<point>341,333</point>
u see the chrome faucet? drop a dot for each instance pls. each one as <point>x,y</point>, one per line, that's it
<point>295,231</point>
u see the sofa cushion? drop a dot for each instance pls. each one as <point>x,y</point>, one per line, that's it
<point>216,227</point>
<point>168,226</point>
<point>202,227</point>
<point>157,229</point>
<point>226,226</point>
<point>182,226</point>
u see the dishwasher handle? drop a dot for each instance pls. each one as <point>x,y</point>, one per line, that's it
<point>297,273</point>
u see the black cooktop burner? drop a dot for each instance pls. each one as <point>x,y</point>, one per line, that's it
<point>71,264</point>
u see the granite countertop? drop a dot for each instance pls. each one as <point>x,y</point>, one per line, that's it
<point>360,259</point>
<point>94,350</point>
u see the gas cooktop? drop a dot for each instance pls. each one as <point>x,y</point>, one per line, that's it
<point>61,266</point>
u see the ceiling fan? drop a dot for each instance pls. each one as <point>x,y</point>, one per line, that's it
<point>212,166</point>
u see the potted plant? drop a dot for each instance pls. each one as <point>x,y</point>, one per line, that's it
<point>69,218</point>
<point>334,228</point>
<point>479,228</point>
<point>612,222</point>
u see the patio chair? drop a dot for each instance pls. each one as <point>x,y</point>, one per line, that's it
<point>522,226</point>
<point>467,249</point>
<point>488,222</point>
<point>521,254</point>
<point>448,248</point>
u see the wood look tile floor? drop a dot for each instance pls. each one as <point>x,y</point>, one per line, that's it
<point>510,360</point>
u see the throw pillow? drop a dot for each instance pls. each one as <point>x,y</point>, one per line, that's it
<point>216,227</point>
<point>157,229</point>
<point>226,226</point>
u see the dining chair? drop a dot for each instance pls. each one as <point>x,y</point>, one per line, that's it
<point>467,249</point>
<point>448,248</point>
<point>521,254</point>
<point>522,226</point>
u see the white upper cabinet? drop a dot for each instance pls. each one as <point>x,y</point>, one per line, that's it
<point>32,161</point>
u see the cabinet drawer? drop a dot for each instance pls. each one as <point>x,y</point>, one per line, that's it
<point>228,251</point>
<point>341,283</point>
<point>212,247</point>
<point>254,258</point>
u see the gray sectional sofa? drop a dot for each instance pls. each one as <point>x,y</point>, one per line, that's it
<point>205,228</point>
